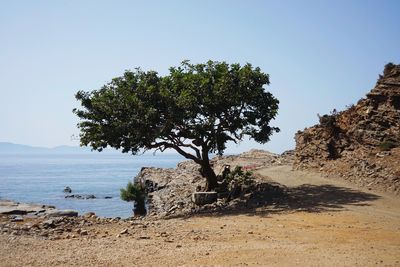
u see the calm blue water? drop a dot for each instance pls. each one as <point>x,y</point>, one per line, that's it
<point>41,178</point>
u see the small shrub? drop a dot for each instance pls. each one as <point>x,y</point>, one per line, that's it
<point>387,145</point>
<point>329,122</point>
<point>238,177</point>
<point>137,193</point>
<point>133,192</point>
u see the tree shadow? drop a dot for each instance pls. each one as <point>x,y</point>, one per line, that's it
<point>304,198</point>
<point>320,198</point>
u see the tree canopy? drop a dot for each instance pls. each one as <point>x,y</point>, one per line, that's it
<point>195,109</point>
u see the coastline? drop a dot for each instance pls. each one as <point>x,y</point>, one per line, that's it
<point>324,224</point>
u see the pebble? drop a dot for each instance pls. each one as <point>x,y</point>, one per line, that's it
<point>125,231</point>
<point>84,232</point>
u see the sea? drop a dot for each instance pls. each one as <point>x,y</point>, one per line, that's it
<point>41,178</point>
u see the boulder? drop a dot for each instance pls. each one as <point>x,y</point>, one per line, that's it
<point>67,189</point>
<point>62,213</point>
<point>202,198</point>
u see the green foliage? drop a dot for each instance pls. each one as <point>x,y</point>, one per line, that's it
<point>133,192</point>
<point>195,110</point>
<point>238,177</point>
<point>387,145</point>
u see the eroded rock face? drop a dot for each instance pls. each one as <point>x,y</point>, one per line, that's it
<point>349,143</point>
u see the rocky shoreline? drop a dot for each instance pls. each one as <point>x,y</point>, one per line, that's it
<point>173,198</point>
<point>322,221</point>
<point>47,222</point>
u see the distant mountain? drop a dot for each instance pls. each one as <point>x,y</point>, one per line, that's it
<point>10,148</point>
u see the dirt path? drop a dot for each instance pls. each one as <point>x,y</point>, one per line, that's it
<point>325,223</point>
<point>322,193</point>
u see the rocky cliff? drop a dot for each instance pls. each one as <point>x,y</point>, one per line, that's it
<point>362,143</point>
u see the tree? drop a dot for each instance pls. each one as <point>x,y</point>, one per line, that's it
<point>195,109</point>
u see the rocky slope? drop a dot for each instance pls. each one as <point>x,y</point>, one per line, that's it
<point>362,143</point>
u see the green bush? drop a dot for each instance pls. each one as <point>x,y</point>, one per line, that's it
<point>387,145</point>
<point>133,192</point>
<point>137,193</point>
<point>238,177</point>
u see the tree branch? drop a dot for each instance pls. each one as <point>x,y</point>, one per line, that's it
<point>163,145</point>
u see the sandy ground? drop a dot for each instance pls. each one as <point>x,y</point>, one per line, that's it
<point>325,223</point>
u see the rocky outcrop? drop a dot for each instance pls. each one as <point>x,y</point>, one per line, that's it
<point>172,189</point>
<point>12,208</point>
<point>8,207</point>
<point>361,143</point>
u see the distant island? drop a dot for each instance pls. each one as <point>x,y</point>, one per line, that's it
<point>11,148</point>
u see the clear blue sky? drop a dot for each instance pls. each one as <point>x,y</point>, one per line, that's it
<point>320,54</point>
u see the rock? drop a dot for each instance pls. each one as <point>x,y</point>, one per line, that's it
<point>89,214</point>
<point>48,223</point>
<point>62,213</point>
<point>44,234</point>
<point>172,208</point>
<point>202,198</point>
<point>83,232</point>
<point>125,231</point>
<point>17,219</point>
<point>164,234</point>
<point>67,189</point>
<point>16,208</point>
<point>81,196</point>
<point>48,207</point>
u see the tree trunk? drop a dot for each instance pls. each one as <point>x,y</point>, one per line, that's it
<point>140,208</point>
<point>202,159</point>
<point>210,176</point>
